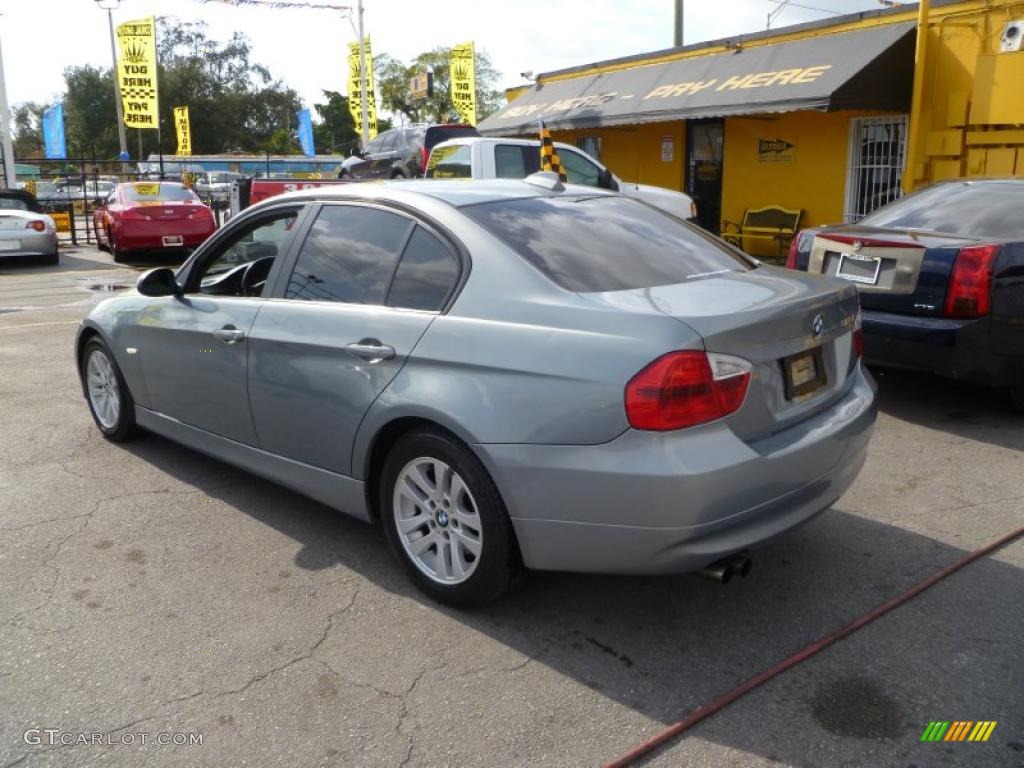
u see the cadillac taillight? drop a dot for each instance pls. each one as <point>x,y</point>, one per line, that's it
<point>686,388</point>
<point>970,286</point>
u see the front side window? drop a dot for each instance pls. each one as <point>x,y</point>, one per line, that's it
<point>579,169</point>
<point>240,266</point>
<point>349,255</point>
<point>592,244</point>
<point>426,274</point>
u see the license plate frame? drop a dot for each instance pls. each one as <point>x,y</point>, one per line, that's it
<point>804,373</point>
<point>844,258</point>
<point>173,241</point>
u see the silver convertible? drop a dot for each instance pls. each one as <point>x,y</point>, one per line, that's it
<point>503,375</point>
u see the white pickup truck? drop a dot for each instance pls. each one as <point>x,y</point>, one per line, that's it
<point>476,157</point>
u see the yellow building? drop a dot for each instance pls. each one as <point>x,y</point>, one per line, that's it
<point>830,118</point>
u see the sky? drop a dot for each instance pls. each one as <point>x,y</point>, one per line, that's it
<point>307,48</point>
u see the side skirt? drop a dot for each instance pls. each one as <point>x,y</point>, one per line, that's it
<point>338,491</point>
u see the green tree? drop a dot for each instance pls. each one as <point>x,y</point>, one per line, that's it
<point>393,82</point>
<point>90,112</point>
<point>27,122</point>
<point>336,131</point>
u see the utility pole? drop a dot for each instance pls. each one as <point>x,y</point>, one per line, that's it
<point>10,174</point>
<point>109,6</point>
<point>679,24</point>
<point>362,76</point>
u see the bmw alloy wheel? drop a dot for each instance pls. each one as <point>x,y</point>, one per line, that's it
<point>437,520</point>
<point>104,391</point>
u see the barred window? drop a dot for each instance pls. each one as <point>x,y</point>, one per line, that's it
<point>874,171</point>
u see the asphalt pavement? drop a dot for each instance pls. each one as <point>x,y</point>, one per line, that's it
<point>148,591</point>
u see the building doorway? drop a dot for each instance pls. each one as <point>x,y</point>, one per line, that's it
<point>874,171</point>
<point>704,140</point>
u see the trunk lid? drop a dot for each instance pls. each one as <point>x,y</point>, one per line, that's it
<point>772,317</point>
<point>168,210</point>
<point>903,271</point>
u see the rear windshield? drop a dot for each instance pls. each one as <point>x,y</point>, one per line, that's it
<point>437,133</point>
<point>143,191</point>
<point>452,162</point>
<point>590,244</point>
<point>959,208</point>
<point>13,204</point>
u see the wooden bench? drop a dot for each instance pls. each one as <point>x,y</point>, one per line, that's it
<point>764,231</point>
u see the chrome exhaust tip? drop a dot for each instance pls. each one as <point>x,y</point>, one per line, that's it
<point>719,571</point>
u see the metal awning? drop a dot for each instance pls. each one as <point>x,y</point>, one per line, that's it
<point>864,69</point>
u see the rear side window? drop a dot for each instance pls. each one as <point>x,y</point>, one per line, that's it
<point>454,162</point>
<point>959,208</point>
<point>515,161</point>
<point>590,244</point>
<point>426,274</point>
<point>348,256</point>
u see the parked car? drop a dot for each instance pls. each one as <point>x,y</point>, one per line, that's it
<point>497,158</point>
<point>216,185</point>
<point>400,152</point>
<point>941,279</point>
<point>151,216</point>
<point>24,229</point>
<point>501,373</point>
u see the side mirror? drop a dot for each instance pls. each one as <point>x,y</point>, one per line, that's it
<point>158,282</point>
<point>605,180</point>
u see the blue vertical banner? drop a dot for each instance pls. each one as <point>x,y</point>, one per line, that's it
<point>306,132</point>
<point>53,133</point>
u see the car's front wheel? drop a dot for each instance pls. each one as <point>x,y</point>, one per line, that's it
<point>109,400</point>
<point>445,520</point>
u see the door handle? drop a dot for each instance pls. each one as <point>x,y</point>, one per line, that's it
<point>371,350</point>
<point>229,334</point>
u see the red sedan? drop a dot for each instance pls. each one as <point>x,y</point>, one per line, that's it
<point>151,216</point>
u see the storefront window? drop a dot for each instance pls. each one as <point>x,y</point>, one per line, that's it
<point>591,145</point>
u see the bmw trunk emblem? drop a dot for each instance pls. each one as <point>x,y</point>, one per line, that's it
<point>818,324</point>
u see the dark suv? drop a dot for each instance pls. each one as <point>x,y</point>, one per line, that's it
<point>401,152</point>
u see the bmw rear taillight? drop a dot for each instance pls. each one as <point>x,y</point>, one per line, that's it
<point>970,286</point>
<point>686,388</point>
<point>38,226</point>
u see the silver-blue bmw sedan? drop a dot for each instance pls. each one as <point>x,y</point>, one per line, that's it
<point>500,374</point>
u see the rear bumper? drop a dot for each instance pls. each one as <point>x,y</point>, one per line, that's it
<point>35,244</point>
<point>956,349</point>
<point>149,235</point>
<point>675,502</point>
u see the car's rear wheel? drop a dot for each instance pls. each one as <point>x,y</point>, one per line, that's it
<point>109,400</point>
<point>445,520</point>
<point>115,252</point>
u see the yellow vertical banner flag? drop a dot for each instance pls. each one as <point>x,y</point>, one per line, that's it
<point>136,72</point>
<point>463,79</point>
<point>355,106</point>
<point>183,129</point>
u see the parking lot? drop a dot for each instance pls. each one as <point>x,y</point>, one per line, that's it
<point>148,589</point>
